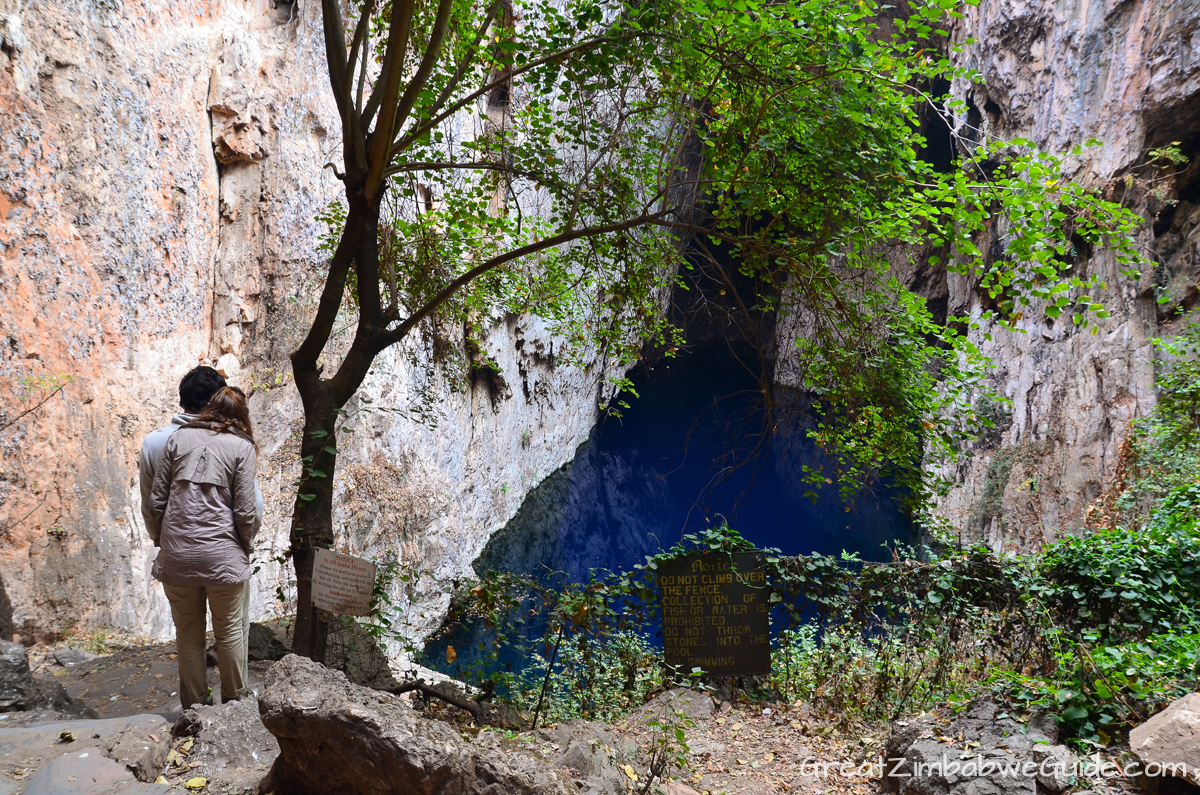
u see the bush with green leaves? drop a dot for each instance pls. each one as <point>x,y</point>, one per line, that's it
<point>1098,630</point>
<point>1123,585</point>
<point>596,678</point>
<point>1160,468</point>
<point>1098,691</point>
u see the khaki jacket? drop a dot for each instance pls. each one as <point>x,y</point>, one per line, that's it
<point>151,454</point>
<point>203,512</point>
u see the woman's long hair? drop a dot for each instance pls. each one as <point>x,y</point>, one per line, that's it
<point>227,412</point>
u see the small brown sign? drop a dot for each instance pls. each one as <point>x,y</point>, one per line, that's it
<point>715,614</point>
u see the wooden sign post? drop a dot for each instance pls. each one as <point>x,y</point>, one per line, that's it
<point>715,614</point>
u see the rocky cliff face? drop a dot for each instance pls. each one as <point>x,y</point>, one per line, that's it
<point>160,174</point>
<point>1061,72</point>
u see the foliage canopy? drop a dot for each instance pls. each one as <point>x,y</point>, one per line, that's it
<point>570,159</point>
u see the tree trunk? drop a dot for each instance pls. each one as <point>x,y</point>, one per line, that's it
<point>312,514</point>
<point>312,524</point>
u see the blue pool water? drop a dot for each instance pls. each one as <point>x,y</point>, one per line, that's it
<point>692,449</point>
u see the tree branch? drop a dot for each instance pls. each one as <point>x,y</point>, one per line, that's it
<point>335,50</point>
<point>416,83</point>
<point>383,97</point>
<point>432,304</point>
<point>472,166</point>
<point>341,77</point>
<point>360,33</point>
<point>461,702</point>
<point>467,60</point>
<point>305,357</point>
<point>40,403</point>
<point>413,135</point>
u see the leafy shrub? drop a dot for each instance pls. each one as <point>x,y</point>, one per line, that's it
<point>1122,584</point>
<point>1162,459</point>
<point>1097,691</point>
<point>595,678</point>
<point>876,678</point>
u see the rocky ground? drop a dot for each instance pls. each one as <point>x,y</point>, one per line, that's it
<point>143,677</point>
<point>332,730</point>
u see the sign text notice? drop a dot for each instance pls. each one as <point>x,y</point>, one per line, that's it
<point>715,614</point>
<point>342,583</point>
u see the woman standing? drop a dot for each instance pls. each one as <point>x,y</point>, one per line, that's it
<point>204,520</point>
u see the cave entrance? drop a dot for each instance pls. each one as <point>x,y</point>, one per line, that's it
<point>695,448</point>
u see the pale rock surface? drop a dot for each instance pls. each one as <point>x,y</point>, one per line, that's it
<point>590,753</point>
<point>86,771</point>
<point>1172,737</point>
<point>665,707</point>
<point>989,753</point>
<point>103,756</point>
<point>232,748</point>
<point>371,742</point>
<point>1060,72</point>
<point>161,169</point>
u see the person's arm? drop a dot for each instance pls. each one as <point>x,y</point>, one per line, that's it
<point>247,503</point>
<point>258,507</point>
<point>146,483</point>
<point>160,492</point>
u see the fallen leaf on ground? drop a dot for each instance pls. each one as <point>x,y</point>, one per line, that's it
<point>199,782</point>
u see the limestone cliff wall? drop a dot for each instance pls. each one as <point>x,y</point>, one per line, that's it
<point>1063,72</point>
<point>1060,72</point>
<point>160,174</point>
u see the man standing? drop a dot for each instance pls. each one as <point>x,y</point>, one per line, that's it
<point>200,384</point>
<point>195,391</point>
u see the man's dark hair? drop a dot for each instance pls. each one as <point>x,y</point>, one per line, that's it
<point>197,387</point>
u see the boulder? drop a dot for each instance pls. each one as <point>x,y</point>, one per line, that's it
<point>73,655</point>
<point>695,704</point>
<point>1056,766</point>
<point>85,755</point>
<point>980,751</point>
<point>232,748</point>
<point>142,750</point>
<point>265,644</point>
<point>1170,741</point>
<point>20,692</point>
<point>591,754</point>
<point>86,771</point>
<point>336,737</point>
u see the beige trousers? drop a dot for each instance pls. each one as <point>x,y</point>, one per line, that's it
<point>230,606</point>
